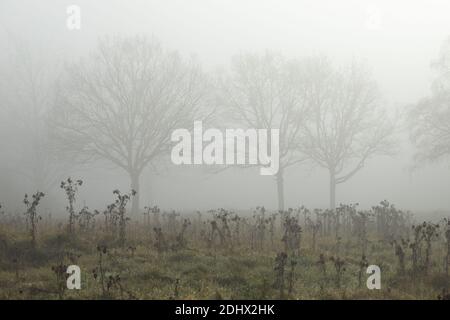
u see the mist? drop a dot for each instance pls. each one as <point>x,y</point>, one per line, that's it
<point>396,43</point>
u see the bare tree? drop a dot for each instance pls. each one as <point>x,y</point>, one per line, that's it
<point>122,103</point>
<point>346,124</point>
<point>27,81</point>
<point>264,92</point>
<point>429,119</point>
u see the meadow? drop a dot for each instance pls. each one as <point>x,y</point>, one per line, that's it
<point>298,253</point>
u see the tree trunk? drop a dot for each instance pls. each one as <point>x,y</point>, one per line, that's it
<point>135,200</point>
<point>332,189</point>
<point>280,189</point>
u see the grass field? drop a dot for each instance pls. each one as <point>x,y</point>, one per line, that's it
<point>220,254</point>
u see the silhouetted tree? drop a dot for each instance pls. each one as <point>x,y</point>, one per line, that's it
<point>346,125</point>
<point>122,103</point>
<point>264,92</point>
<point>27,83</point>
<point>429,119</point>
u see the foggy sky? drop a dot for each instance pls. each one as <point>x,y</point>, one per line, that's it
<point>397,39</point>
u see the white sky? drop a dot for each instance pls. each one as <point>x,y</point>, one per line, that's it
<point>397,39</point>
